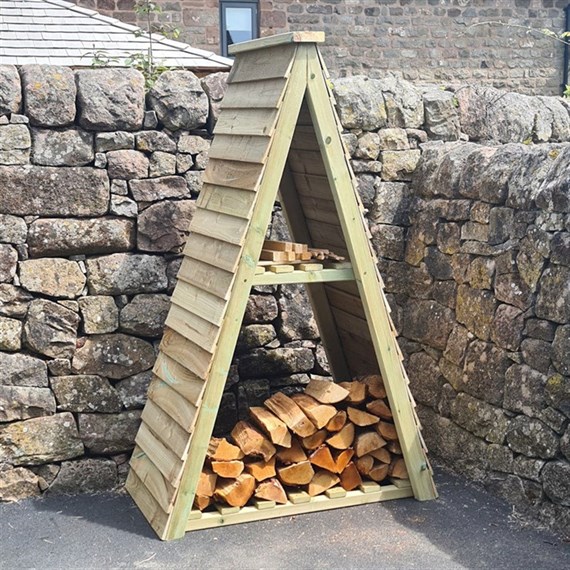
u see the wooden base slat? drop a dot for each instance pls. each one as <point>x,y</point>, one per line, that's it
<point>315,504</point>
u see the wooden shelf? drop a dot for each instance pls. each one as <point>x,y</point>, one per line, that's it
<point>199,521</point>
<point>322,276</point>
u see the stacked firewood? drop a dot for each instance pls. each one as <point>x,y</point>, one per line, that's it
<point>286,252</point>
<point>330,435</point>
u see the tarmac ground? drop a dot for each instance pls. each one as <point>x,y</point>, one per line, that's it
<point>465,528</point>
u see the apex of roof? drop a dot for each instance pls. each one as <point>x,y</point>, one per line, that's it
<point>56,32</point>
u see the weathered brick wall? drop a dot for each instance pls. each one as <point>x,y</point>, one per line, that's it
<point>472,230</point>
<point>421,40</point>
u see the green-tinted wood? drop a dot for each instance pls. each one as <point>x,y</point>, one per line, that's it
<point>353,226</point>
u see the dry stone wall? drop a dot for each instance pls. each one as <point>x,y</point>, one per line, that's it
<point>469,208</point>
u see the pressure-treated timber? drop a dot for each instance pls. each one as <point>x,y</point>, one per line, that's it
<point>287,139</point>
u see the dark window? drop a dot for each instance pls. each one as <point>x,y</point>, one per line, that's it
<point>239,22</point>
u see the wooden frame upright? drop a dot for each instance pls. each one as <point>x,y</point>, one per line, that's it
<point>277,132</point>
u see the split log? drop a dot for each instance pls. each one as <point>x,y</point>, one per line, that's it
<point>221,449</point>
<point>379,472</point>
<point>322,481</point>
<point>235,492</point>
<point>261,470</point>
<point>361,418</point>
<point>342,459</point>
<point>251,442</point>
<point>398,469</point>
<point>206,483</point>
<point>277,431</point>
<point>356,391</point>
<point>375,386</point>
<point>293,454</point>
<point>322,457</point>
<point>326,392</point>
<point>367,442</point>
<point>271,490</point>
<point>291,414</point>
<point>379,408</point>
<point>315,440</point>
<point>382,455</point>
<point>350,477</point>
<point>364,464</point>
<point>202,502</point>
<point>228,469</point>
<point>387,431</point>
<point>319,414</point>
<point>343,438</point>
<point>336,423</point>
<point>394,447</point>
<point>296,473</point>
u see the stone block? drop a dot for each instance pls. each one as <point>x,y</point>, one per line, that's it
<point>391,205</point>
<point>480,273</point>
<point>360,103</point>
<point>51,191</point>
<point>40,440</point>
<point>109,433</point>
<point>561,350</point>
<point>100,314</point>
<point>404,104</point>
<point>441,115</point>
<point>511,289</point>
<point>392,139</point>
<point>438,264</point>
<point>427,322</point>
<point>59,367</point>
<point>558,393</point>
<point>368,146</point>
<point>56,236</point>
<point>51,276</point>
<point>23,402</point>
<point>15,144</point>
<point>532,438</point>
<point>110,99</point>
<point>14,301</point>
<point>540,329</point>
<point>159,188</point>
<point>8,263</point>
<point>536,353</point>
<point>49,95</point>
<point>528,468</point>
<point>50,329</point>
<point>19,483</point>
<point>560,248</point>
<point>426,381</point>
<point>162,164</point>
<point>145,315</point>
<point>152,141</point>
<point>194,181</point>
<point>556,482</point>
<point>12,229</point>
<point>260,309</point>
<point>123,206</point>
<point>507,327</point>
<point>457,343</point>
<point>126,274</point>
<point>23,370</point>
<point>179,100</point>
<point>475,309</point>
<point>127,164</point>
<point>85,394</point>
<point>399,164</point>
<point>215,86</point>
<point>117,140</point>
<point>500,458</point>
<point>132,390</point>
<point>296,314</point>
<point>255,336</point>
<point>552,195</point>
<point>85,476</point>
<point>10,334</point>
<point>10,90</point>
<point>164,226</point>
<point>262,363</point>
<point>388,241</point>
<point>553,301</point>
<point>67,147</point>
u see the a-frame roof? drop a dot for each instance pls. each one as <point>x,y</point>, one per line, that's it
<point>284,140</point>
<point>56,32</point>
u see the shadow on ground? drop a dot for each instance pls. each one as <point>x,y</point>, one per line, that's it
<point>464,528</point>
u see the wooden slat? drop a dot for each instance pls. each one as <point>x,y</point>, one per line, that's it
<point>163,458</point>
<point>267,64</point>
<point>232,173</point>
<point>268,93</point>
<point>205,276</point>
<point>259,122</point>
<point>237,303</point>
<point>219,226</point>
<point>349,303</point>
<point>199,302</point>
<point>310,204</point>
<point>231,201</point>
<point>185,352</point>
<point>327,128</point>
<point>305,139</point>
<point>179,378</point>
<point>148,505</point>
<point>328,234</point>
<point>277,40</point>
<point>165,429</point>
<point>307,162</point>
<point>312,186</point>
<point>212,250</point>
<point>153,479</point>
<point>170,401</point>
<point>192,327</point>
<point>242,148</point>
<point>314,504</point>
<point>319,215</point>
<point>358,347</point>
<point>348,322</point>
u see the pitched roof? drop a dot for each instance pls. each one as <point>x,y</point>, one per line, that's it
<point>60,33</point>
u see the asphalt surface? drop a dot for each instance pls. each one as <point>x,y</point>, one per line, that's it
<point>464,528</point>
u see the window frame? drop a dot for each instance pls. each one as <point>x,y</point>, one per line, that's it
<point>253,4</point>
